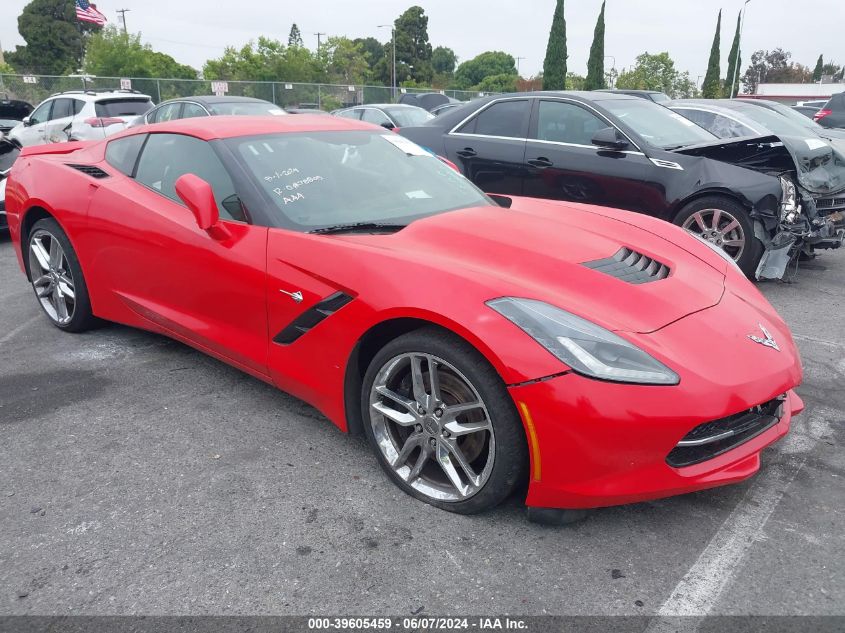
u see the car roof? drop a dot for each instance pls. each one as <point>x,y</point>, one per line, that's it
<point>213,99</point>
<point>220,127</point>
<point>402,106</point>
<point>97,95</point>
<point>626,91</point>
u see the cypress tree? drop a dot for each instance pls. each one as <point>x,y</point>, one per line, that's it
<point>711,89</point>
<point>554,66</point>
<point>734,63</point>
<point>595,66</point>
<point>819,71</point>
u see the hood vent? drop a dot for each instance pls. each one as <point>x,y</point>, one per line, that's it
<point>90,170</point>
<point>630,266</point>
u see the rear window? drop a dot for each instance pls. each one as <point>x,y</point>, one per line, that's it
<point>122,107</point>
<point>8,153</point>
<point>246,108</point>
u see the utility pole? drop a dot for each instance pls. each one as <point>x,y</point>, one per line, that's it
<point>739,48</point>
<point>319,35</point>
<point>122,13</point>
<point>392,28</point>
<point>518,59</point>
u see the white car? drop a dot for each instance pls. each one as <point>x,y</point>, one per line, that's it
<point>80,116</point>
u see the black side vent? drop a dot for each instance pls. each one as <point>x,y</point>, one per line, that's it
<point>311,318</point>
<point>90,170</point>
<point>630,266</point>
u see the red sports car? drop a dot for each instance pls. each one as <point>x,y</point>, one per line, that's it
<point>605,357</point>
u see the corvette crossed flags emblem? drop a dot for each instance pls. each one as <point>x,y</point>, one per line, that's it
<point>768,341</point>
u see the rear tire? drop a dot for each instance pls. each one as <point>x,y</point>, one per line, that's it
<point>57,277</point>
<point>725,223</point>
<point>458,445</point>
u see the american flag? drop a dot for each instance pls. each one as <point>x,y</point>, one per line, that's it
<point>87,12</point>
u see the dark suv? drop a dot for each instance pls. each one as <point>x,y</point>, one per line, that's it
<point>833,113</point>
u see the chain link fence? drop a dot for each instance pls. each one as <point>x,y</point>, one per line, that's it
<point>36,88</point>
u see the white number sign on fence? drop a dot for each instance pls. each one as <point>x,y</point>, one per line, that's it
<point>126,84</point>
<point>29,79</point>
<point>219,88</point>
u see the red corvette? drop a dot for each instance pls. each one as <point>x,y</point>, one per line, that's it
<point>606,357</point>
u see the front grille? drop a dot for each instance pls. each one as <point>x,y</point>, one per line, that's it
<point>830,204</point>
<point>710,439</point>
<point>90,170</point>
<point>630,266</point>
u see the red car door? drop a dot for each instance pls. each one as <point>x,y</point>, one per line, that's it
<point>155,264</point>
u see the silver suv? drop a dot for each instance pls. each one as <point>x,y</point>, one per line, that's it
<point>80,116</point>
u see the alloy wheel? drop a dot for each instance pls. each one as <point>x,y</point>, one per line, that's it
<point>52,278</point>
<point>720,228</point>
<point>432,427</point>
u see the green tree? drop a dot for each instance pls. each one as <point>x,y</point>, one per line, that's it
<point>734,63</point>
<point>413,50</point>
<point>711,88</point>
<point>55,39</point>
<point>774,67</point>
<point>819,70</point>
<point>6,69</point>
<point>266,60</point>
<point>294,37</point>
<point>443,60</point>
<point>504,82</point>
<point>574,81</point>
<point>554,66</point>
<point>834,70</point>
<point>657,72</point>
<point>595,66</point>
<point>489,64</point>
<point>347,61</point>
<point>113,53</point>
<point>373,50</point>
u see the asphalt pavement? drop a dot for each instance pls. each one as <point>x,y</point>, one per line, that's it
<point>138,476</point>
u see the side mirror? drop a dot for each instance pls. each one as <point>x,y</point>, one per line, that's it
<point>199,198</point>
<point>609,138</point>
<point>27,121</point>
<point>388,125</point>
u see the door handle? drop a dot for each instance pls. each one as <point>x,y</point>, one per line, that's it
<point>467,152</point>
<point>541,162</point>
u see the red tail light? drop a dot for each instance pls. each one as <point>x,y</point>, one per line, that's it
<point>818,116</point>
<point>103,121</point>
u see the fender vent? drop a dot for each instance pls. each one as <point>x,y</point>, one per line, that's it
<point>90,170</point>
<point>630,266</point>
<point>311,318</point>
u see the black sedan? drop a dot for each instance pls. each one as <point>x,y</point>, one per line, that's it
<point>189,107</point>
<point>621,151</point>
<point>12,112</point>
<point>387,115</point>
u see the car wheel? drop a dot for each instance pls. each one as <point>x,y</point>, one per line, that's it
<point>442,423</point>
<point>725,223</point>
<point>57,277</point>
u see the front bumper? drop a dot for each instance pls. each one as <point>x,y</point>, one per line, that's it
<point>595,443</point>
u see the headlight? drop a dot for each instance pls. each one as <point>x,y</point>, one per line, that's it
<point>584,346</point>
<point>719,251</point>
<point>789,207</point>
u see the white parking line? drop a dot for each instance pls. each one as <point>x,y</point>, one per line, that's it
<point>700,588</point>
<point>13,333</point>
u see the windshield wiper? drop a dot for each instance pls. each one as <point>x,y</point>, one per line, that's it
<point>358,227</point>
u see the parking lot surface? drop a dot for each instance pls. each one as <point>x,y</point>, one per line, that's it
<point>138,476</point>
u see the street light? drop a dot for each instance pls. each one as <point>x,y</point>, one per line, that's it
<point>393,46</point>
<point>739,47</point>
<point>613,70</point>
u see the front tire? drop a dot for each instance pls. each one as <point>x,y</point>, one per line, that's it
<point>725,223</point>
<point>442,424</point>
<point>57,277</point>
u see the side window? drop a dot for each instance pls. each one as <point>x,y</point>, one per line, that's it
<point>350,114</point>
<point>168,112</point>
<point>77,106</point>
<point>122,153</point>
<point>506,118</point>
<point>166,157</point>
<point>699,117</point>
<point>42,113</point>
<point>62,108</point>
<point>192,110</point>
<point>565,122</point>
<point>371,115</point>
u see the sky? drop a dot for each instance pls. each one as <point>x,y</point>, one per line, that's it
<point>193,30</point>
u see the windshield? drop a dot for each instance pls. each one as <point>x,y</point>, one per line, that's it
<point>321,179</point>
<point>246,108</point>
<point>773,121</point>
<point>122,107</point>
<point>8,153</point>
<point>658,126</point>
<point>796,117</point>
<point>409,117</point>
<point>659,97</point>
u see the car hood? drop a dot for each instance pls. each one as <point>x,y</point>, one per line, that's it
<point>538,249</point>
<point>15,110</point>
<point>819,163</point>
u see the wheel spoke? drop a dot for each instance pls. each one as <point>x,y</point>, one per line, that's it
<point>55,253</point>
<point>410,405</point>
<point>411,443</point>
<point>402,419</point>
<point>434,379</point>
<point>451,412</point>
<point>59,304</point>
<point>422,458</point>
<point>66,286</point>
<point>699,219</point>
<point>417,381</point>
<point>714,221</point>
<point>730,227</point>
<point>449,468</point>
<point>41,254</point>
<point>733,242</point>
<point>459,456</point>
<point>44,290</point>
<point>458,429</point>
